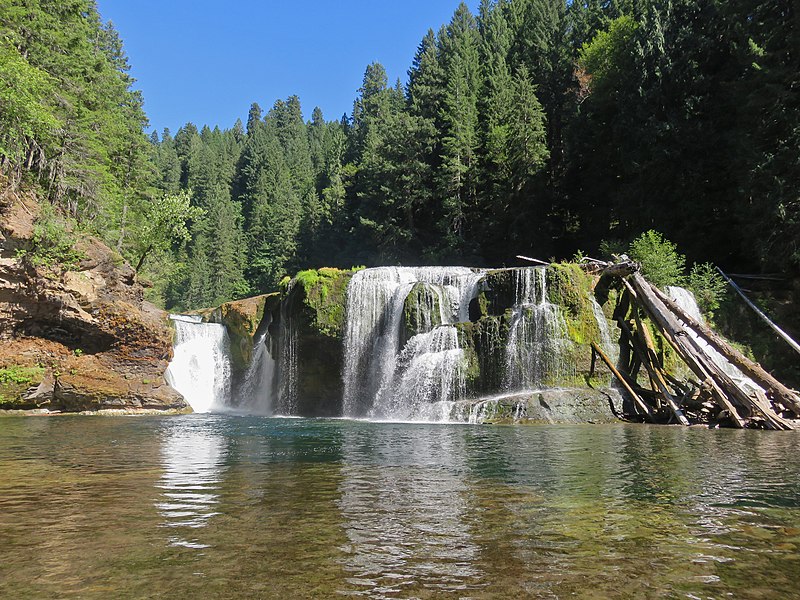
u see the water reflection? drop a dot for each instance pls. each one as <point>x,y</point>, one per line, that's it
<point>288,508</point>
<point>404,508</point>
<point>192,454</point>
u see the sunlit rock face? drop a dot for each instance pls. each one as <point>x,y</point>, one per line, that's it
<point>406,344</point>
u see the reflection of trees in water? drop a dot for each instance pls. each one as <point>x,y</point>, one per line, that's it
<point>404,501</point>
<point>192,454</point>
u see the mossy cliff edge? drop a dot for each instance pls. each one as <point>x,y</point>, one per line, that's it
<point>311,307</point>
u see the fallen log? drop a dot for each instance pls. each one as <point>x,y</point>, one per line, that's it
<point>639,402</point>
<point>730,392</point>
<point>647,359</point>
<point>774,388</point>
<point>785,336</point>
<point>673,332</point>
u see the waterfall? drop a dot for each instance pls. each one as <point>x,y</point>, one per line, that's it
<point>685,299</point>
<point>606,341</point>
<point>200,368</point>
<point>428,377</point>
<point>536,338</point>
<point>384,378</point>
<point>255,391</point>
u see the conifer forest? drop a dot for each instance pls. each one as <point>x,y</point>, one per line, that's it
<point>537,127</point>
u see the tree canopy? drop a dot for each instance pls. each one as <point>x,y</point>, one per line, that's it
<point>534,127</point>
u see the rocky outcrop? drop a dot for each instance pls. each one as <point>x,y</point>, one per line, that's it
<point>558,405</point>
<point>95,341</point>
<point>312,316</point>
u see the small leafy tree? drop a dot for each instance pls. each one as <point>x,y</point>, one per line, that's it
<point>165,223</point>
<point>661,264</point>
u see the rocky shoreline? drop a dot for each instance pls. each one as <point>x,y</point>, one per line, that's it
<point>77,339</point>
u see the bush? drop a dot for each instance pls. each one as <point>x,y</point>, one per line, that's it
<point>708,287</point>
<point>661,264</point>
<point>52,243</point>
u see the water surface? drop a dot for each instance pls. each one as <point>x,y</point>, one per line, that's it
<point>236,507</point>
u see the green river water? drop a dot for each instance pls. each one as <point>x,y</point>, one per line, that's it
<point>206,506</point>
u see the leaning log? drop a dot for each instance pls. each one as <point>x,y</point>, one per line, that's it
<point>728,391</point>
<point>647,360</point>
<point>784,336</point>
<point>639,402</point>
<point>673,332</point>
<point>774,388</point>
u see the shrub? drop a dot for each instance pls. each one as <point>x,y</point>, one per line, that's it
<point>52,243</point>
<point>661,264</point>
<point>708,287</point>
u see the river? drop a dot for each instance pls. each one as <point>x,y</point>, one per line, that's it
<point>212,506</point>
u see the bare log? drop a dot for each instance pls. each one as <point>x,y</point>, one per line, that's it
<point>647,360</point>
<point>785,336</point>
<point>775,389</point>
<point>730,392</point>
<point>639,402</point>
<point>674,334</point>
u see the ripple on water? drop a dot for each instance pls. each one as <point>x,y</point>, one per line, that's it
<point>278,508</point>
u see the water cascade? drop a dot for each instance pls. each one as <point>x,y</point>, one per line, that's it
<point>254,392</point>
<point>686,300</point>
<point>537,334</point>
<point>200,368</point>
<point>606,340</point>
<point>413,348</point>
<point>202,371</point>
<point>384,377</point>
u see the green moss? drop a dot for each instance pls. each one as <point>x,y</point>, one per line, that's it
<point>20,375</point>
<point>421,310</point>
<point>324,293</point>
<point>15,381</point>
<point>569,286</point>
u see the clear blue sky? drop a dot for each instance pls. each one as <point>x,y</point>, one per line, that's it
<point>206,62</point>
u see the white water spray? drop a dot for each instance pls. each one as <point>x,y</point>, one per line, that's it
<point>383,379</point>
<point>200,368</point>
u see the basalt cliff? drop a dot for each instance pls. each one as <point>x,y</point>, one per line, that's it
<point>75,336</point>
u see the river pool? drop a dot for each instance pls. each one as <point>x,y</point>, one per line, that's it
<point>209,506</point>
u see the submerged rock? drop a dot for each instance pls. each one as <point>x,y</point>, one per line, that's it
<point>558,405</point>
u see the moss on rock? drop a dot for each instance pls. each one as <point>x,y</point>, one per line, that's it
<point>325,295</point>
<point>422,310</point>
<point>16,382</point>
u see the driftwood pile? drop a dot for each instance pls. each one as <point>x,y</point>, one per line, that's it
<point>711,396</point>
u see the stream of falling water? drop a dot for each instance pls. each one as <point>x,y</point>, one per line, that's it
<point>537,341</point>
<point>385,379</point>
<point>200,368</point>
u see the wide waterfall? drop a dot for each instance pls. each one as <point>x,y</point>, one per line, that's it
<point>200,368</point>
<point>537,335</point>
<point>202,371</point>
<point>412,343</point>
<point>387,376</point>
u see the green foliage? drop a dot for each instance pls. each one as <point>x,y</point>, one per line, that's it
<point>661,264</point>
<point>24,116</point>
<point>165,223</point>
<point>535,127</point>
<point>21,375</point>
<point>607,57</point>
<point>708,287</point>
<point>53,243</point>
